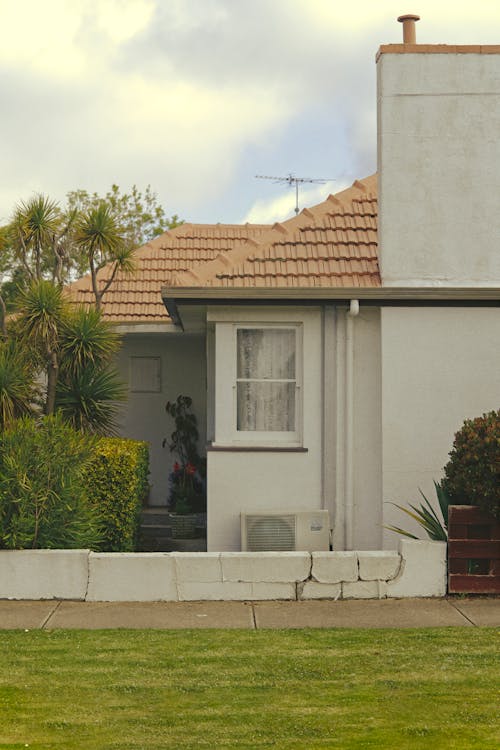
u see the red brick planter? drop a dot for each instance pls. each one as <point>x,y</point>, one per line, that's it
<point>473,551</point>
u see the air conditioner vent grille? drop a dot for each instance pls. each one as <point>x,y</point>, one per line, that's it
<point>270,533</point>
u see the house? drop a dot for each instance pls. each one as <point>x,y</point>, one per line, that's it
<point>333,356</point>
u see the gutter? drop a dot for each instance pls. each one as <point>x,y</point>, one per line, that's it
<point>235,295</point>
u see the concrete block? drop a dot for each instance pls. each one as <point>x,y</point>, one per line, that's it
<point>43,574</point>
<point>423,569</point>
<point>193,591</point>
<point>364,590</point>
<point>131,577</point>
<point>265,567</point>
<point>315,590</point>
<point>334,567</point>
<point>378,565</point>
<point>201,567</point>
<point>267,591</point>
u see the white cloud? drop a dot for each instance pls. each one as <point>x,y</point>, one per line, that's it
<point>267,211</point>
<point>194,96</point>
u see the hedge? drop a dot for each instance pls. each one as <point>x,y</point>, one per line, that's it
<point>117,482</point>
<point>43,487</point>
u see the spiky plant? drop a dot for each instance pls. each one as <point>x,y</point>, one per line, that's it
<point>86,339</point>
<point>99,236</point>
<point>17,387</point>
<point>88,398</point>
<point>426,516</point>
<point>42,309</point>
<point>34,228</point>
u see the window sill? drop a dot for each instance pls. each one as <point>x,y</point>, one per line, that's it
<point>214,447</point>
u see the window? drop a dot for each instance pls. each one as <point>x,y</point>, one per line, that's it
<point>267,383</point>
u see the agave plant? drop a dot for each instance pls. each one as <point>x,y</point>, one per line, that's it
<point>436,528</point>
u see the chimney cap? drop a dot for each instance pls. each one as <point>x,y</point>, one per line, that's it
<point>408,17</point>
<point>408,21</point>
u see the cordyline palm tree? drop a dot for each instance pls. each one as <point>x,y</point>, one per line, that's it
<point>18,391</point>
<point>41,314</point>
<point>98,235</point>
<point>40,234</point>
<point>88,387</point>
<point>74,347</point>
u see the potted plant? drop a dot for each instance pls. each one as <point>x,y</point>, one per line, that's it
<point>187,498</point>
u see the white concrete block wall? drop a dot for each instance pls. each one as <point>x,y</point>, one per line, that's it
<point>418,570</point>
<point>378,565</point>
<point>129,576</point>
<point>268,567</point>
<point>43,574</point>
<point>334,567</point>
<point>423,569</point>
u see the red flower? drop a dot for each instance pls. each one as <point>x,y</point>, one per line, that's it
<point>177,467</point>
<point>190,469</point>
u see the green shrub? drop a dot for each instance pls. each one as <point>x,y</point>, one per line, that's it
<point>118,484</point>
<point>43,499</point>
<point>472,475</point>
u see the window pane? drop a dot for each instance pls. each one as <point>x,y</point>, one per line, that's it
<point>266,353</point>
<point>266,407</point>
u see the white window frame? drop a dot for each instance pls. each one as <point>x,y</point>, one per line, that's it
<point>292,438</point>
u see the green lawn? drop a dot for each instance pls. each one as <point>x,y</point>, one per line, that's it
<point>250,689</point>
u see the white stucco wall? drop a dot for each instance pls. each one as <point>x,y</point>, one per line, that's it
<point>367,527</point>
<point>143,417</point>
<point>439,169</point>
<point>439,367</point>
<point>247,481</point>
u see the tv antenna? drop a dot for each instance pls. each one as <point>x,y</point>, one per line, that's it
<point>292,180</point>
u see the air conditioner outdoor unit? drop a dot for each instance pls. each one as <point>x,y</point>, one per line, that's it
<point>307,530</point>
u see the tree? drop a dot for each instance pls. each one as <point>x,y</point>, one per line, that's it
<point>73,347</point>
<point>138,214</point>
<point>47,241</point>
<point>98,236</point>
<point>18,391</point>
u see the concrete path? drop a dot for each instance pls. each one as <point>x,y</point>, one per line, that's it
<point>384,613</point>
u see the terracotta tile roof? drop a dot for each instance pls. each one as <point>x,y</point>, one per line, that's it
<point>136,298</point>
<point>333,244</point>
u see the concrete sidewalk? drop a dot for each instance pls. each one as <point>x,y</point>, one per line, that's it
<point>384,613</point>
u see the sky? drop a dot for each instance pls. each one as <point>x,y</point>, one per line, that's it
<point>196,97</point>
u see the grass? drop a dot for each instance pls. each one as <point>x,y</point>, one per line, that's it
<point>297,689</point>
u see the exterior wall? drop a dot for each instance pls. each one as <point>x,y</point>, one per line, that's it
<point>143,416</point>
<point>366,462</point>
<point>367,519</point>
<point>439,367</point>
<point>439,169</point>
<point>248,480</point>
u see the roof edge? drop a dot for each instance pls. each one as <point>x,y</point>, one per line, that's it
<point>291,294</point>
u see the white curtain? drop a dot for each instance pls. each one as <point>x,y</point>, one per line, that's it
<point>266,379</point>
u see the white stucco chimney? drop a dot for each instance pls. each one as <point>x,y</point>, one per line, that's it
<point>438,163</point>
